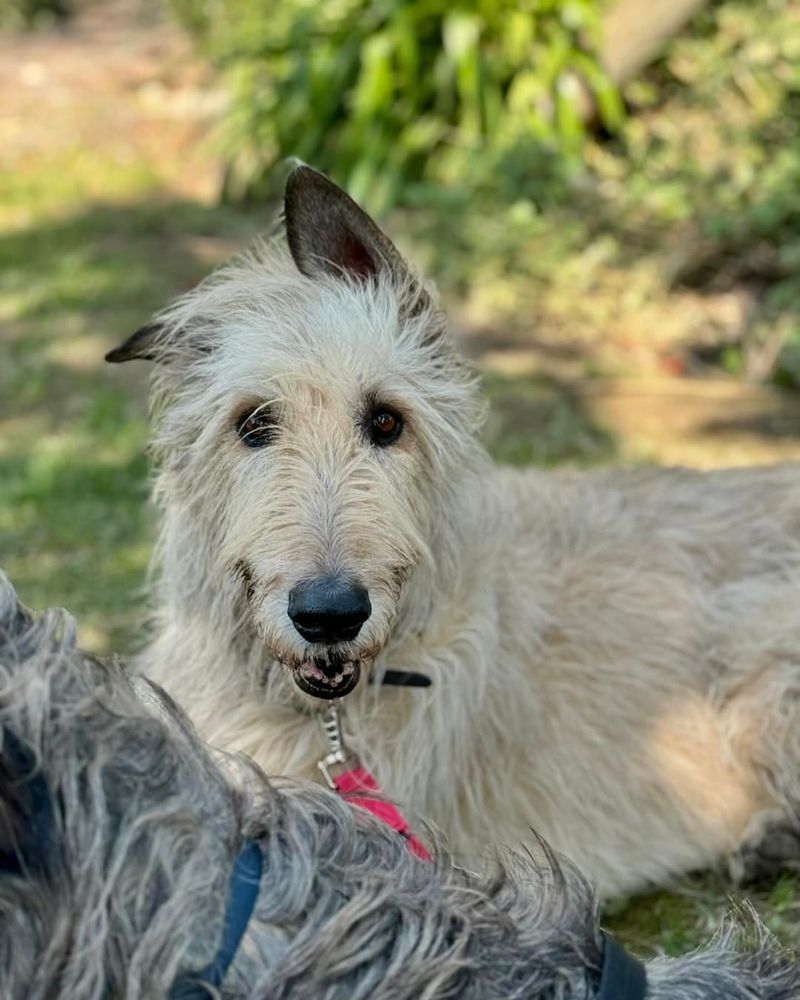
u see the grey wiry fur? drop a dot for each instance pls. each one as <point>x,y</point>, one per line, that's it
<point>118,831</point>
<point>615,656</point>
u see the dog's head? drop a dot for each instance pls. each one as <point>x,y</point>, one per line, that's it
<point>315,428</point>
<point>97,840</point>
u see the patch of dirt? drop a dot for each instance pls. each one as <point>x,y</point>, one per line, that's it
<point>704,423</point>
<point>699,422</point>
<point>120,76</point>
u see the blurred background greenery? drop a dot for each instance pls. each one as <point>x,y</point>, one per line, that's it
<point>548,130</point>
<point>608,194</point>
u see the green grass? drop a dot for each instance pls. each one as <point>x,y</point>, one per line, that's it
<point>88,250</point>
<point>678,921</point>
<point>83,261</point>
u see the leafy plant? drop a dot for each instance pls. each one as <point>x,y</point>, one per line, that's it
<point>381,93</point>
<point>714,154</point>
<point>680,235</point>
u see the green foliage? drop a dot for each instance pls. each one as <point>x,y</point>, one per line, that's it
<point>682,230</point>
<point>468,116</point>
<point>715,152</point>
<point>17,14</point>
<point>381,94</point>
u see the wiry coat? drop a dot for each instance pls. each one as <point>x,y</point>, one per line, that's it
<point>118,831</point>
<point>614,656</point>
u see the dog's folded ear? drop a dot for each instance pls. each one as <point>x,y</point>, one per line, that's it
<point>328,234</point>
<point>141,345</point>
<point>27,816</point>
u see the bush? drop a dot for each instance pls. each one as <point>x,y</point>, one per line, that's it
<point>469,116</point>
<point>17,14</point>
<point>713,153</point>
<point>681,234</point>
<point>383,93</point>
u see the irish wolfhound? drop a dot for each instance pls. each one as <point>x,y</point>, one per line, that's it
<point>125,850</point>
<point>614,657</point>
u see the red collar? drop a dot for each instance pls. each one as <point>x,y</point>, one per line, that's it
<point>352,786</point>
<point>356,785</point>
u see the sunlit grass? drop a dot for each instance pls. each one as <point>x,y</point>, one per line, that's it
<point>69,178</point>
<point>73,515</point>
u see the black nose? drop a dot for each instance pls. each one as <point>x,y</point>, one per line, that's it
<point>329,608</point>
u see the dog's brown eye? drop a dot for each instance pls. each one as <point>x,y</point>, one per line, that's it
<point>256,428</point>
<point>385,427</point>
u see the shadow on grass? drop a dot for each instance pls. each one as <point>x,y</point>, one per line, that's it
<point>116,261</point>
<point>536,420</point>
<point>74,522</point>
<point>90,279</point>
<point>778,425</point>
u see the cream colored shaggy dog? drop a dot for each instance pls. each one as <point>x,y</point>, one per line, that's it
<point>614,657</point>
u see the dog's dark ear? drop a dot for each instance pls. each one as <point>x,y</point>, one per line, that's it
<point>27,816</point>
<point>329,234</point>
<point>141,345</point>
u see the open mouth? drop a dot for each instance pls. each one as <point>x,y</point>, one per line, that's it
<point>329,683</point>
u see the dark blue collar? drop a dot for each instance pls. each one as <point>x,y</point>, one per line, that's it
<point>243,887</point>
<point>622,977</point>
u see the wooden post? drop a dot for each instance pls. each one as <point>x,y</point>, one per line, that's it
<point>635,31</point>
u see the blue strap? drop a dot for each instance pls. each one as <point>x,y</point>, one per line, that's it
<point>243,887</point>
<point>623,977</point>
<point>34,843</point>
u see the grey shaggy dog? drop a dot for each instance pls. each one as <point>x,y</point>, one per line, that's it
<point>118,831</point>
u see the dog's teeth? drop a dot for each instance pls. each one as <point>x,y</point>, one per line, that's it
<point>309,670</point>
<point>313,673</point>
